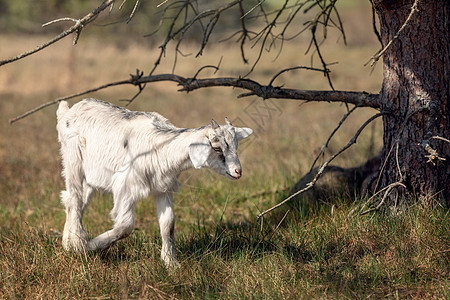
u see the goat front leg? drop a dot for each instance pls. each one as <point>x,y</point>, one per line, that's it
<point>166,219</point>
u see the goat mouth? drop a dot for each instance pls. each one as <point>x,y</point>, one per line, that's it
<point>232,177</point>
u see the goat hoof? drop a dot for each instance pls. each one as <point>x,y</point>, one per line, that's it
<point>172,264</point>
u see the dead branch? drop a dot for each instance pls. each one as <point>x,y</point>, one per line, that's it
<point>244,36</point>
<point>79,24</point>
<point>182,9</point>
<point>178,27</point>
<point>374,24</point>
<point>322,19</point>
<point>57,100</point>
<point>136,5</point>
<point>325,145</point>
<point>296,68</point>
<point>322,60</point>
<point>60,20</point>
<point>253,8</point>
<point>265,33</point>
<point>388,189</point>
<point>397,162</point>
<point>380,53</point>
<point>162,3</point>
<point>433,155</point>
<point>402,127</point>
<point>440,138</point>
<point>279,224</point>
<point>360,99</point>
<point>264,39</point>
<point>322,168</point>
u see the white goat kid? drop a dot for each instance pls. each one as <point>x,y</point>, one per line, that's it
<point>133,155</point>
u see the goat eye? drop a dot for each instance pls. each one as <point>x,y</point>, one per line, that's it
<point>217,149</point>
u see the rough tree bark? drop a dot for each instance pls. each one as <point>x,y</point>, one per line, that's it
<point>416,93</point>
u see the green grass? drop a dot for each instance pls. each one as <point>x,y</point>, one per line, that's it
<point>331,253</point>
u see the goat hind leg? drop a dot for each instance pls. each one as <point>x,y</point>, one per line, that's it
<point>75,195</point>
<point>74,236</point>
<point>123,226</point>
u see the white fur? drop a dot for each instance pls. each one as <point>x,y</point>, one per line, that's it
<point>133,155</point>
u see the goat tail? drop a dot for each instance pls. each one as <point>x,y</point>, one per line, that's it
<point>62,109</point>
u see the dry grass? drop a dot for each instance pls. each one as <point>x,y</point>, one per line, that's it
<point>318,252</point>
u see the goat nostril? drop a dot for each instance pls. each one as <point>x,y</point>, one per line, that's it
<point>239,172</point>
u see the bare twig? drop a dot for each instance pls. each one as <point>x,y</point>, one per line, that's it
<point>244,36</point>
<point>440,138</point>
<point>252,9</point>
<point>383,166</point>
<point>388,191</point>
<point>341,24</point>
<point>374,25</point>
<point>79,24</point>
<point>265,33</point>
<point>57,100</point>
<point>325,145</point>
<point>296,68</point>
<point>380,53</point>
<point>279,224</point>
<point>216,68</point>
<point>170,35</point>
<point>175,31</point>
<point>122,4</point>
<point>60,20</point>
<point>282,36</point>
<point>265,39</point>
<point>212,24</point>
<point>162,3</point>
<point>324,64</point>
<point>433,155</point>
<point>136,5</point>
<point>322,168</point>
<point>398,164</point>
<point>321,19</point>
<point>389,187</point>
<point>402,127</point>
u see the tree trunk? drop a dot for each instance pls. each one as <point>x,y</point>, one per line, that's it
<point>415,93</point>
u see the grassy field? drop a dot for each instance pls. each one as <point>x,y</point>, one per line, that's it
<point>314,251</point>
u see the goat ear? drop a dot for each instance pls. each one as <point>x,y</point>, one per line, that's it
<point>214,124</point>
<point>199,153</point>
<point>242,132</point>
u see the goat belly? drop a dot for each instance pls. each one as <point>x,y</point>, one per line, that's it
<point>102,157</point>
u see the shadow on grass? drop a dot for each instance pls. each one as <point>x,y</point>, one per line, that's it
<point>227,241</point>
<point>250,240</point>
<point>239,240</point>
